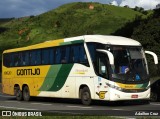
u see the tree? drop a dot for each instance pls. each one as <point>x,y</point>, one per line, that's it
<point>158,6</point>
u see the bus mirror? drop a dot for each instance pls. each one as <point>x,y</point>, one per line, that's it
<point>110,55</point>
<point>154,56</point>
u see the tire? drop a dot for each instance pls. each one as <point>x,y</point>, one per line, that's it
<point>18,94</point>
<point>86,96</point>
<point>26,93</point>
<point>154,97</point>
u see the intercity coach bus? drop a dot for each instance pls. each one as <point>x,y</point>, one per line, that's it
<point>90,67</point>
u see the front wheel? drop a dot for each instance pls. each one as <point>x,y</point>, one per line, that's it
<point>85,96</point>
<point>26,93</point>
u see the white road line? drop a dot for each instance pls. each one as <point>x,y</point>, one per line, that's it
<point>46,104</point>
<point>6,96</point>
<point>154,104</point>
<point>37,103</point>
<point>12,101</point>
<point>64,112</point>
<point>6,107</point>
<point>117,109</point>
<point>40,104</point>
<point>79,106</point>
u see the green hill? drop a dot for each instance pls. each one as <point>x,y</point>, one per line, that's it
<point>66,21</point>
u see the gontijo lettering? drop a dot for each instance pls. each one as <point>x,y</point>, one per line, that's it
<point>35,71</point>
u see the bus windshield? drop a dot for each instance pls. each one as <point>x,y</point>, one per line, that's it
<point>129,63</point>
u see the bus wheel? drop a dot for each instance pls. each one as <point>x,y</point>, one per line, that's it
<point>153,97</point>
<point>26,93</point>
<point>18,93</point>
<point>85,96</point>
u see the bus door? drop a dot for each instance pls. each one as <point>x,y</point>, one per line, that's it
<point>101,68</point>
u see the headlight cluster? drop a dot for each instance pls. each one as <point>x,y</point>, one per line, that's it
<point>115,87</point>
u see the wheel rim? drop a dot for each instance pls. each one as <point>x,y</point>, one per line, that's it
<point>26,94</point>
<point>153,97</point>
<point>86,96</point>
<point>18,94</point>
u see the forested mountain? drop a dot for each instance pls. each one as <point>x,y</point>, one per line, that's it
<point>76,19</point>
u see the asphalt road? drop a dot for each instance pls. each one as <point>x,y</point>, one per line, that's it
<point>74,107</point>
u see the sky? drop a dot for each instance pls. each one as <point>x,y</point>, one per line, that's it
<point>21,8</point>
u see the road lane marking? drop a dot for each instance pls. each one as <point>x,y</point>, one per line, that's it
<point>36,103</point>
<point>41,104</point>
<point>79,107</point>
<point>13,101</point>
<point>64,112</point>
<point>17,108</point>
<point>47,104</point>
<point>154,104</point>
<point>117,109</point>
<point>6,96</point>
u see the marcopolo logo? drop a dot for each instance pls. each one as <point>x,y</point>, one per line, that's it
<point>7,72</point>
<point>21,72</point>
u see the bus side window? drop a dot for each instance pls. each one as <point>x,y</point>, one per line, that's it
<point>16,59</point>
<point>92,51</point>
<point>26,58</point>
<point>75,53</point>
<point>67,54</point>
<point>38,57</point>
<point>82,55</point>
<point>32,57</point>
<point>45,56</point>
<point>51,56</point>
<point>11,60</point>
<point>71,58</point>
<point>6,60</point>
<point>58,55</point>
<point>63,55</point>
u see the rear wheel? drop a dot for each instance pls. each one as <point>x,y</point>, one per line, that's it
<point>26,93</point>
<point>85,96</point>
<point>153,97</point>
<point>18,93</point>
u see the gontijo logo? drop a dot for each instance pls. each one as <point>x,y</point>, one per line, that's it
<point>35,71</point>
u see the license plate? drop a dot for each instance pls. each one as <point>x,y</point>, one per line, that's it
<point>134,96</point>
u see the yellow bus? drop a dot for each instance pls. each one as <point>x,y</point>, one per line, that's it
<point>90,67</point>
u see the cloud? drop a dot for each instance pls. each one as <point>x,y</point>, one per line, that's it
<point>146,4</point>
<point>114,3</point>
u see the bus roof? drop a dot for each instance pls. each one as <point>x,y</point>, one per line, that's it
<point>112,40</point>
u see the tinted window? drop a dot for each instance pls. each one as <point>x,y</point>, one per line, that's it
<point>92,50</point>
<point>35,57</point>
<point>17,59</point>
<point>51,56</point>
<point>25,59</point>
<point>67,54</point>
<point>58,55</point>
<point>45,56</point>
